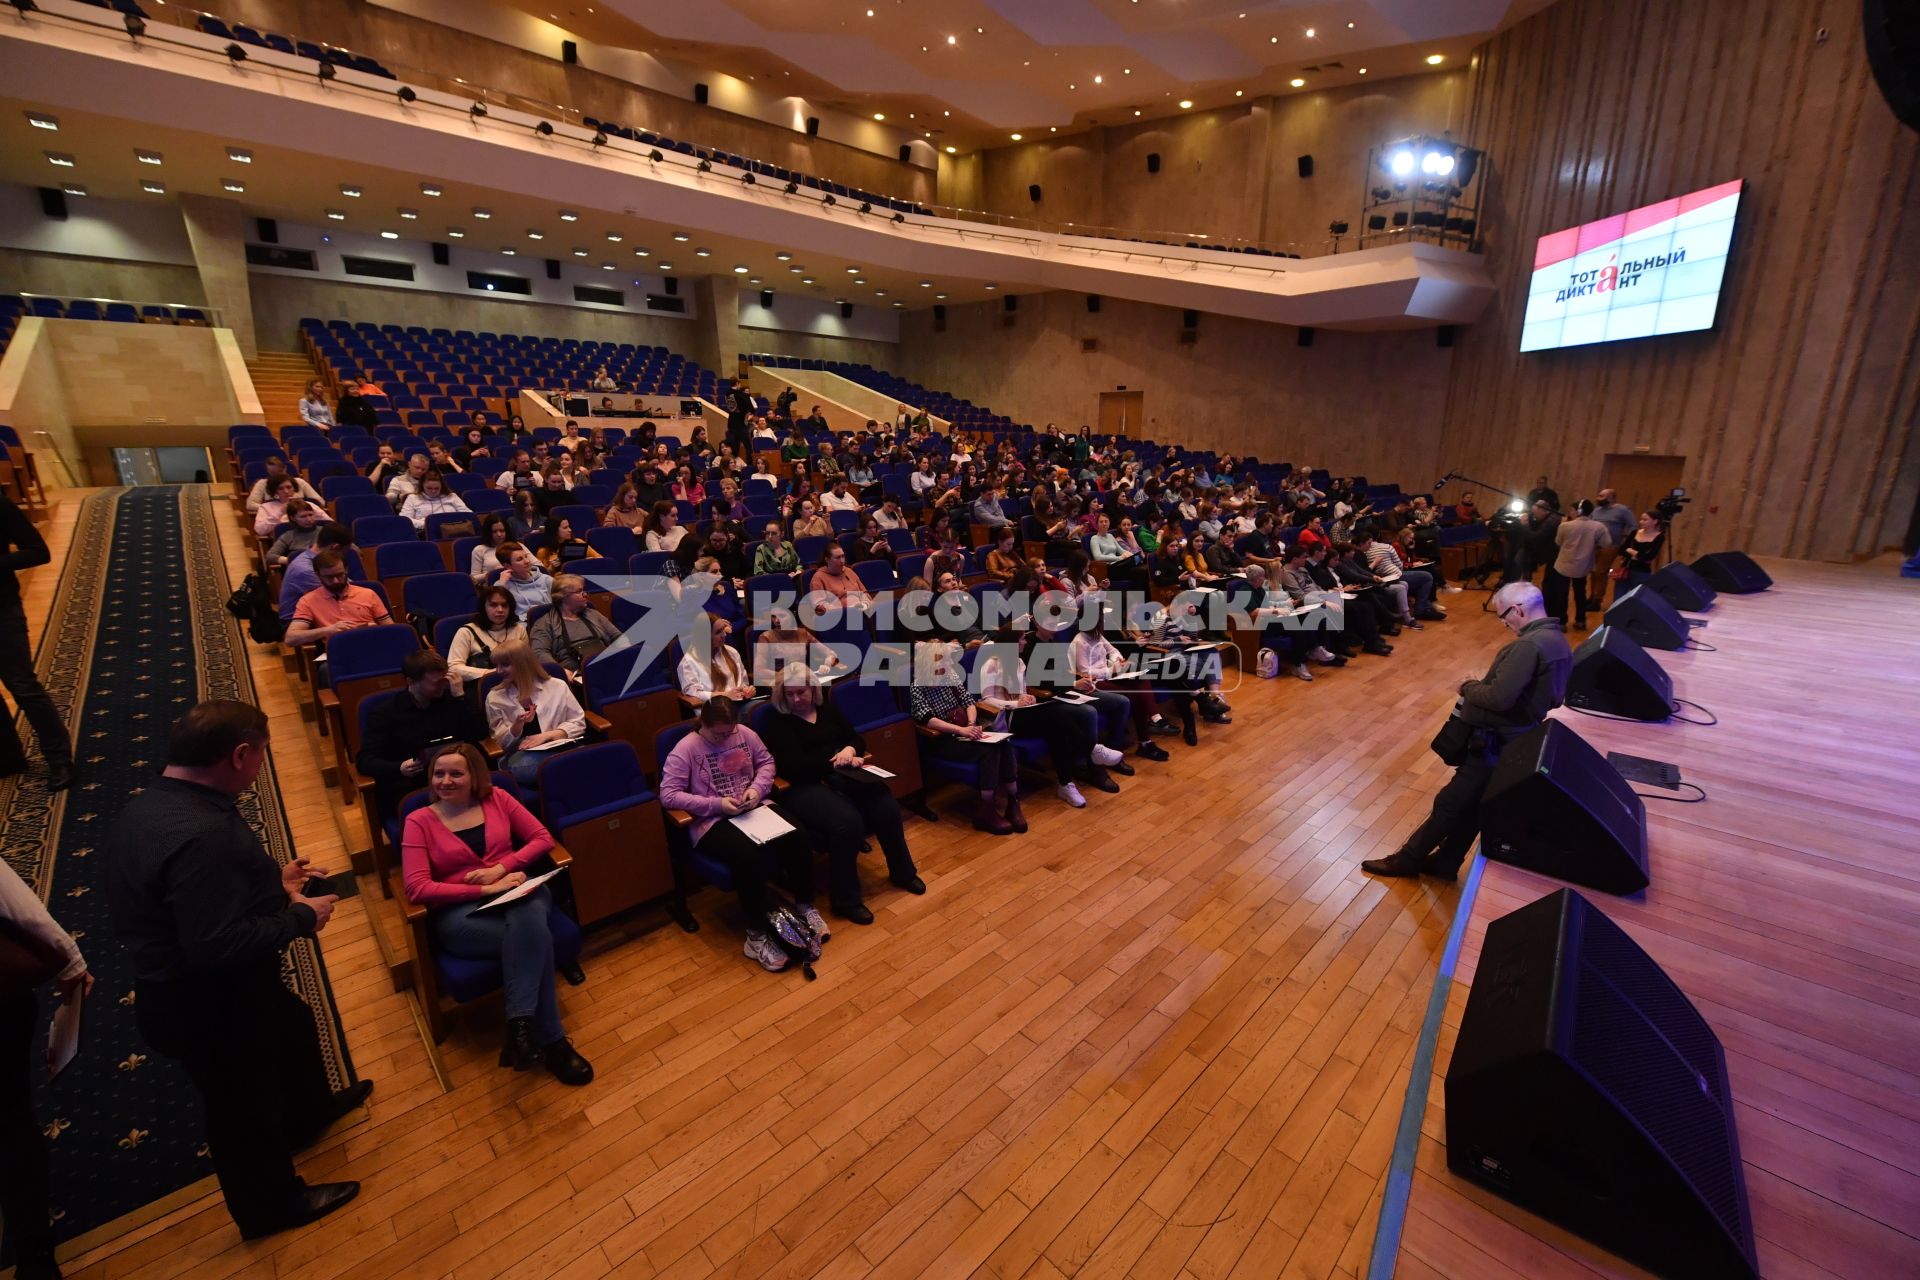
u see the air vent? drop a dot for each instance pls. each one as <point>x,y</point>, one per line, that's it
<point>495,282</point>
<point>277,255</point>
<point>378,268</point>
<point>661,302</point>
<point>1089,345</point>
<point>605,297</point>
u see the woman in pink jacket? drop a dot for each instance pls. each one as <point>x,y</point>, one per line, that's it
<point>720,770</point>
<point>471,843</point>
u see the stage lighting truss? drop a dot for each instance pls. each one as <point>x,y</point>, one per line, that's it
<point>1423,186</point>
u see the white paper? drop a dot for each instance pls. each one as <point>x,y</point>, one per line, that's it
<point>518,891</point>
<point>994,735</point>
<point>1126,675</point>
<point>548,746</point>
<point>63,1038</point>
<point>761,824</point>
<point>877,771</point>
<point>1073,696</point>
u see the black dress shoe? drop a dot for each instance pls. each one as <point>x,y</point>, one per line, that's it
<point>1160,724</point>
<point>59,777</point>
<point>1151,750</point>
<point>310,1204</point>
<point>1380,650</point>
<point>567,1066</point>
<point>348,1100</point>
<point>1098,778</point>
<point>856,912</point>
<point>912,884</point>
<point>574,974</point>
<point>520,1052</point>
<point>1188,734</point>
<point>1399,864</point>
<point>1122,768</point>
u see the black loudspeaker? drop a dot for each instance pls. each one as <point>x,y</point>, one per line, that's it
<point>1304,337</point>
<point>1892,33</point>
<point>267,229</point>
<point>1732,572</point>
<point>813,126</point>
<point>672,283</point>
<point>846,311</point>
<point>553,268</point>
<point>1010,303</point>
<point>1443,336</point>
<point>939,317</point>
<point>906,153</point>
<point>1306,166</point>
<point>1586,1088</point>
<point>766,298</point>
<point>1153,162</point>
<point>1681,587</point>
<point>1189,319</point>
<point>441,254</point>
<point>1033,192</point>
<point>1613,674</point>
<point>1093,304</point>
<point>1555,806</point>
<point>700,94</point>
<point>569,52</point>
<point>53,203</point>
<point>1646,617</point>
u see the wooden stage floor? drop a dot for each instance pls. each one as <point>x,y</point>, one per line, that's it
<point>1168,1035</point>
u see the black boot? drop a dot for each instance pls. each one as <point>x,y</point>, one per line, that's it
<point>1151,750</point>
<point>567,1066</point>
<point>520,1052</point>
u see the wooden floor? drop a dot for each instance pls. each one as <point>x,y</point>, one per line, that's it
<point>1787,907</point>
<point>1167,1035</point>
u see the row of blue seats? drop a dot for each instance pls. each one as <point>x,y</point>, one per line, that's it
<point>290,45</point>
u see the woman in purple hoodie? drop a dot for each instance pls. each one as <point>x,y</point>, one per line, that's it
<point>720,770</point>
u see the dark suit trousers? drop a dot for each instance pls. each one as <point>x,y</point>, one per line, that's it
<point>23,1147</point>
<point>1443,840</point>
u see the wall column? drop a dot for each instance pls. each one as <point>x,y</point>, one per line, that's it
<point>716,341</point>
<point>217,231</point>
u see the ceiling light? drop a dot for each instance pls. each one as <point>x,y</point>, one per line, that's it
<point>795,270</point>
<point>232,184</point>
<point>614,237</point>
<point>239,155</point>
<point>1435,59</point>
<point>1310,33</point>
<point>1236,93</point>
<point>739,269</point>
<point>568,215</point>
<point>410,214</point>
<point>1016,137</point>
<point>879,115</point>
<point>428,189</point>
<point>147,157</point>
<point>483,214</point>
<point>1349,26</point>
<point>1363,71</point>
<point>508,252</point>
<point>859,279</point>
<point>806,279</point>
<point>1297,83</point>
<point>389,235</point>
<point>783,257</point>
<point>354,192</point>
<point>666,266</point>
<point>41,121</point>
<point>952,40</point>
<point>73,188</point>
<point>703,253</point>
<point>154,188</point>
<point>680,236</point>
<point>643,253</point>
<point>606,266</point>
<point>989,287</point>
<point>1273,39</point>
<point>879,293</point>
<point>1136,111</point>
<point>60,158</point>
<point>1186,103</point>
<point>579,253</point>
<point>536,235</point>
<point>953,151</point>
<point>455,233</point>
<point>939,295</point>
<point>898,303</point>
<point>869,13</point>
<point>926,284</point>
<point>753,279</point>
<point>1098,80</point>
<point>334,215</point>
<point>853,271</point>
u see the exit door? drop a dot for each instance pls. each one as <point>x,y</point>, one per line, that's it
<point>1121,413</point>
<point>1640,479</point>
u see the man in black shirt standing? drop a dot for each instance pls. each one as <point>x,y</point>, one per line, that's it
<point>206,915</point>
<point>401,729</point>
<point>22,547</point>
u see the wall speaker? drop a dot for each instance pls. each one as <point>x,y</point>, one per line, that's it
<point>673,285</point>
<point>442,256</point>
<point>1732,572</point>
<point>1443,336</point>
<point>267,229</point>
<point>1153,162</point>
<point>1613,674</point>
<point>1093,304</point>
<point>766,298</point>
<point>1586,1088</point>
<point>1306,166</point>
<point>939,317</point>
<point>1189,319</point>
<point>1010,303</point>
<point>846,311</point>
<point>1555,806</point>
<point>569,53</point>
<point>1681,587</point>
<point>906,153</point>
<point>1649,619</point>
<point>1304,337</point>
<point>553,268</point>
<point>700,94</point>
<point>1033,192</point>
<point>813,126</point>
<point>53,203</point>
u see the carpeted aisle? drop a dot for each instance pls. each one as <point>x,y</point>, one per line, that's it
<point>136,635</point>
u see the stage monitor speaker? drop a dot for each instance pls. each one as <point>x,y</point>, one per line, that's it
<point>1613,674</point>
<point>569,53</point>
<point>268,230</point>
<point>1732,572</point>
<point>442,255</point>
<point>1554,805</point>
<point>1586,1088</point>
<point>1033,192</point>
<point>766,298</point>
<point>1093,304</point>
<point>1642,614</point>
<point>1306,166</point>
<point>813,126</point>
<point>700,94</point>
<point>1153,162</point>
<point>53,203</point>
<point>1681,587</point>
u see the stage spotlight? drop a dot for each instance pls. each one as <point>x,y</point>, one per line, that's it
<point>1401,163</point>
<point>746,179</point>
<point>1383,193</point>
<point>478,111</point>
<point>1436,162</point>
<point>653,155</point>
<point>234,52</point>
<point>898,218</point>
<point>792,188</point>
<point>1469,163</point>
<point>705,166</point>
<point>1516,506</point>
<point>828,201</point>
<point>136,25</point>
<point>866,206</point>
<point>1378,222</point>
<point>405,94</point>
<point>325,71</point>
<point>544,129</point>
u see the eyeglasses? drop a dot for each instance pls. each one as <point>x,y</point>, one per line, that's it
<point>1512,608</point>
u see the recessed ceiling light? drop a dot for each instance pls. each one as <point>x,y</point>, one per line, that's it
<point>508,252</point>
<point>233,185</point>
<point>1236,93</point>
<point>879,115</point>
<point>614,237</point>
<point>952,151</point>
<point>1310,33</point>
<point>879,293</point>
<point>483,214</point>
<point>989,287</point>
<point>410,214</point>
<point>869,13</point>
<point>806,279</point>
<point>1363,71</point>
<point>154,188</point>
<point>739,268</point>
<point>859,279</point>
<point>953,40</point>
<point>703,253</point>
<point>1186,103</point>
<point>783,257</point>
<point>926,284</point>
<point>455,233</point>
<point>666,266</point>
<point>568,215</point>
<point>1016,137</point>
<point>1273,39</point>
<point>147,157</point>
<point>73,188</point>
<point>579,253</point>
<point>643,253</point>
<point>753,279</point>
<point>389,235</point>
<point>606,266</point>
<point>428,189</point>
<point>795,270</point>
<point>1435,59</point>
<point>1297,83</point>
<point>334,215</point>
<point>1349,26</point>
<point>898,303</point>
<point>239,155</point>
<point>1053,128</point>
<point>1098,80</point>
<point>853,271</point>
<point>1126,71</point>
<point>536,235</point>
<point>41,120</point>
<point>680,236</point>
<point>939,295</point>
<point>1136,112</point>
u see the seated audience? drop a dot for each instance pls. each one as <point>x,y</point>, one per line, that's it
<point>948,713</point>
<point>835,577</point>
<point>1003,560</point>
<point>336,605</point>
<point>720,674</point>
<point>774,554</point>
<point>522,575</point>
<point>1070,731</point>
<point>560,544</point>
<point>313,407</point>
<point>663,528</point>
<point>625,511</point>
<point>573,632</point>
<point>263,488</point>
<point>495,624</point>
<point>300,576</point>
<point>431,499</point>
<point>532,714</point>
<point>303,530</point>
<point>407,483</point>
<point>404,731</point>
<point>483,561</point>
<point>273,512</point>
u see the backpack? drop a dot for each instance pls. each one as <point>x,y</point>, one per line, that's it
<point>1268,664</point>
<point>252,602</point>
<point>791,932</point>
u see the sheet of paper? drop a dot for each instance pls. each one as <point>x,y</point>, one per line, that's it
<point>994,736</point>
<point>63,1038</point>
<point>518,891</point>
<point>549,746</point>
<point>1126,675</point>
<point>877,771</point>
<point>761,825</point>
<point>1073,696</point>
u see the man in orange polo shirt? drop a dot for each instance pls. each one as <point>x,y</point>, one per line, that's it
<point>337,604</point>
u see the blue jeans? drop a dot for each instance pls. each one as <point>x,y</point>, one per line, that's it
<point>525,767</point>
<point>518,937</point>
<point>1113,710</point>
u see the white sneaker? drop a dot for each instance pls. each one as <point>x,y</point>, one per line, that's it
<point>1302,672</point>
<point>817,922</point>
<point>1071,794</point>
<point>764,949</point>
<point>1106,757</point>
<point>1450,588</point>
<point>1320,654</point>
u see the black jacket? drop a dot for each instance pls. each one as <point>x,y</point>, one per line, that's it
<point>21,547</point>
<point>398,731</point>
<point>1528,678</point>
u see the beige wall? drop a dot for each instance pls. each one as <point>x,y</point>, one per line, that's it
<point>1365,402</point>
<point>32,401</point>
<point>1798,414</point>
<point>69,277</point>
<point>396,38</point>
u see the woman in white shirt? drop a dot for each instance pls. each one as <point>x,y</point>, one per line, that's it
<point>1067,728</point>
<point>531,713</point>
<point>664,530</point>
<point>313,407</point>
<point>1095,663</point>
<point>495,626</point>
<point>483,563</point>
<point>432,499</point>
<point>721,675</point>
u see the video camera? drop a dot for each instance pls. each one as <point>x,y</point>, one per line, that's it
<point>1669,507</point>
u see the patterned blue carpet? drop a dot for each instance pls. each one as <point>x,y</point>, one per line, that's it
<point>137,635</point>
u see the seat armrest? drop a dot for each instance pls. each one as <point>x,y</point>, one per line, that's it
<point>681,818</point>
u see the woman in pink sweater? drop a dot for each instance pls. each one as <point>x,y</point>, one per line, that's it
<point>471,843</point>
<point>720,770</point>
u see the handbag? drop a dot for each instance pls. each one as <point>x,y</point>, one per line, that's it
<point>25,961</point>
<point>1618,573</point>
<point>1453,740</point>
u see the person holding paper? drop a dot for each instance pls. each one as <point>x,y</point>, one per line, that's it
<point>470,844</point>
<point>829,792</point>
<point>24,1195</point>
<point>1069,730</point>
<point>530,712</point>
<point>948,713</point>
<point>717,773</point>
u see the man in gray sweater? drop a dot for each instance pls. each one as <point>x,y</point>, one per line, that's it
<point>1528,678</point>
<point>1577,540</point>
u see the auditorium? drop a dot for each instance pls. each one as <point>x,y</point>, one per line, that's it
<point>662,642</point>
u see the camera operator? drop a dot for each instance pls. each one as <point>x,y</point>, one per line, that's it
<point>1531,542</point>
<point>1528,678</point>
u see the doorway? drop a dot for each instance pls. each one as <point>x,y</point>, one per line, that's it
<point>1642,479</point>
<point>1121,412</point>
<point>166,465</point>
